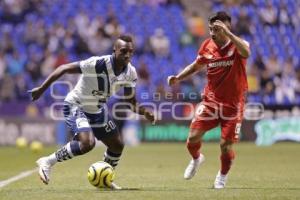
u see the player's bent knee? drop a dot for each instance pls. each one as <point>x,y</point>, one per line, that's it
<point>87,146</point>
<point>226,146</point>
<point>193,139</point>
<point>195,135</point>
<point>87,143</point>
<point>92,143</point>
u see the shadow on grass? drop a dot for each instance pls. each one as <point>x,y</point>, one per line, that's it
<point>146,189</point>
<point>174,189</point>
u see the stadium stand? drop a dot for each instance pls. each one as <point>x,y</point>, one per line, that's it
<point>37,36</point>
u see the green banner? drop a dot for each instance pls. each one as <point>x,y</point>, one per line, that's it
<point>270,131</point>
<point>173,132</point>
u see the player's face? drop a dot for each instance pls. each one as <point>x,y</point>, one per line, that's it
<point>217,34</point>
<point>123,52</point>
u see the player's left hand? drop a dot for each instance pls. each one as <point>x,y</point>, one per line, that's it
<point>219,24</point>
<point>150,116</point>
<point>36,93</point>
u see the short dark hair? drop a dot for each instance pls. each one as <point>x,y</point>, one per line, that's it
<point>221,15</point>
<point>126,38</point>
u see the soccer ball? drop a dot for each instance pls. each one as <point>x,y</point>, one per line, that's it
<point>101,174</point>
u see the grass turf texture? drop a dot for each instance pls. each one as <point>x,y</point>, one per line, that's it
<point>155,171</point>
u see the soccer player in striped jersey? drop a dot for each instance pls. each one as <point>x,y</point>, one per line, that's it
<point>85,110</point>
<point>224,56</point>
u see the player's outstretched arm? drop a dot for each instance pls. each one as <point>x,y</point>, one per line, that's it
<point>242,46</point>
<point>188,70</point>
<point>71,68</point>
<point>129,93</point>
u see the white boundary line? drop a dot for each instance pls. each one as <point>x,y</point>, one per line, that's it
<point>17,177</point>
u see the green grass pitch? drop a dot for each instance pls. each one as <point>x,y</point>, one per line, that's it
<point>155,171</point>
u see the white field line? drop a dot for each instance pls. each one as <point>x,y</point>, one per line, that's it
<point>17,177</point>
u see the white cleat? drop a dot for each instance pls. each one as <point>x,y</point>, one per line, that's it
<point>220,181</point>
<point>44,169</point>
<point>193,167</point>
<point>115,186</point>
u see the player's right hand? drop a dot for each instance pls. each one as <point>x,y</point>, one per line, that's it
<point>172,80</point>
<point>150,116</point>
<point>36,93</point>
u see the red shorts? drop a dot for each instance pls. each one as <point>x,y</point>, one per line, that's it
<point>210,115</point>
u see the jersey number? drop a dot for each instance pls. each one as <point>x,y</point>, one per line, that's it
<point>109,126</point>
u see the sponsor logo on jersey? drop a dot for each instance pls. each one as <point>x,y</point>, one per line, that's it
<point>221,64</point>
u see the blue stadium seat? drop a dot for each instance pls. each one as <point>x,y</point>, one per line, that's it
<point>282,40</point>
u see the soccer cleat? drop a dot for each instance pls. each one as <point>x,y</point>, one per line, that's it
<point>115,186</point>
<point>193,166</point>
<point>220,181</point>
<point>44,169</point>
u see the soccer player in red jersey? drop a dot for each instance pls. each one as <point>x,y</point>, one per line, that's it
<point>224,56</point>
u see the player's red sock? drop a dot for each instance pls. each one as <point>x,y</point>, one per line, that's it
<point>194,149</point>
<point>226,161</point>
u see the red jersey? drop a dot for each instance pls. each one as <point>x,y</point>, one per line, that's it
<point>226,73</point>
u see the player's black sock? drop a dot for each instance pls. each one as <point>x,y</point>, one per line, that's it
<point>111,158</point>
<point>68,151</point>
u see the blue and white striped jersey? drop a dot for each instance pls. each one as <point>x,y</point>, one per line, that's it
<point>98,82</point>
